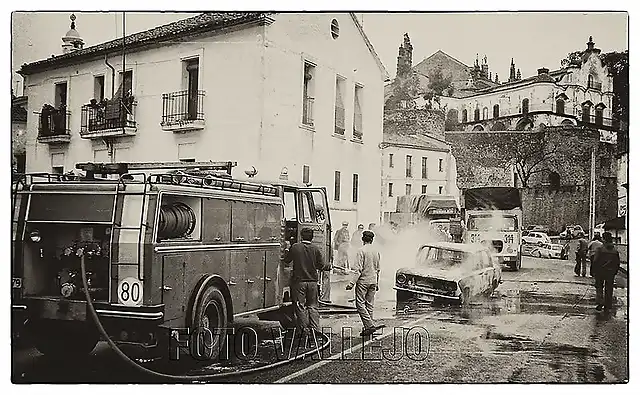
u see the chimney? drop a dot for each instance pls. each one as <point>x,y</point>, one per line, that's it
<point>543,71</point>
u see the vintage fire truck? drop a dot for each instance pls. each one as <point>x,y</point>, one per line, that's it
<point>171,245</point>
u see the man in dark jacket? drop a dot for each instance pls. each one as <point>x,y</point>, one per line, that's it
<point>606,262</point>
<point>307,260</point>
<point>581,257</point>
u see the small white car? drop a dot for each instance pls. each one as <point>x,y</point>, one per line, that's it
<point>552,251</point>
<point>536,238</point>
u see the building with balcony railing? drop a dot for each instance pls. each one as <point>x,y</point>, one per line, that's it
<point>268,101</point>
<point>581,93</point>
<point>53,125</point>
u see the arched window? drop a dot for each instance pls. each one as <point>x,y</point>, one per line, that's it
<point>464,115</point>
<point>478,128</point>
<point>496,111</point>
<point>589,81</point>
<point>476,114</point>
<point>485,113</point>
<point>525,106</point>
<point>554,180</point>
<point>599,112</point>
<point>559,106</point>
<point>586,113</point>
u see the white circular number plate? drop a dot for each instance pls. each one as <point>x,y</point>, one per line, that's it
<point>130,291</point>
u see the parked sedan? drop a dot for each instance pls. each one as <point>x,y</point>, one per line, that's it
<point>553,251</point>
<point>536,238</point>
<point>452,272</point>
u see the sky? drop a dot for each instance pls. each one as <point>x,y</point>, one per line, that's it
<point>532,39</point>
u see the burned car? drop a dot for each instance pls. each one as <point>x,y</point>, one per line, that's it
<point>448,272</point>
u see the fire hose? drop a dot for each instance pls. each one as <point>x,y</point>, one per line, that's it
<point>184,378</point>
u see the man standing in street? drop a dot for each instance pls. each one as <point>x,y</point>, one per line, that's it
<point>606,262</point>
<point>581,257</point>
<point>341,246</point>
<point>591,250</point>
<point>356,238</point>
<point>307,260</point>
<point>367,267</point>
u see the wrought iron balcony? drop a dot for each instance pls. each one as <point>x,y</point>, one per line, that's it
<point>183,111</point>
<point>110,118</point>
<point>53,125</point>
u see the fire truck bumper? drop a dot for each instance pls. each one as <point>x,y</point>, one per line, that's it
<point>78,310</point>
<point>507,259</point>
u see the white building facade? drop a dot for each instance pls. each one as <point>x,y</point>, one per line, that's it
<point>579,93</point>
<point>295,93</point>
<point>416,165</point>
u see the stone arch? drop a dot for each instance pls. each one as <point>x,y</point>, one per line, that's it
<point>498,126</point>
<point>560,106</point>
<point>524,124</point>
<point>485,113</point>
<point>567,122</point>
<point>464,115</point>
<point>496,110</point>
<point>478,128</point>
<point>476,114</point>
<point>525,106</point>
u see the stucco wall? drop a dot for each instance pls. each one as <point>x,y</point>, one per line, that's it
<point>253,82</point>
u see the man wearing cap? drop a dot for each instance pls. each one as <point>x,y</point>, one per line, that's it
<point>341,246</point>
<point>367,268</point>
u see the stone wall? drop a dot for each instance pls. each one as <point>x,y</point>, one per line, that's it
<point>485,159</point>
<point>414,121</point>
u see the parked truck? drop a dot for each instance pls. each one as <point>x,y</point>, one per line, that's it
<point>493,216</point>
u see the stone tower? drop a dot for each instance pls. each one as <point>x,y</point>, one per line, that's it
<point>405,54</point>
<point>72,40</point>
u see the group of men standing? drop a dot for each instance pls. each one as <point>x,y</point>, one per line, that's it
<point>308,261</point>
<point>344,243</point>
<point>605,263</point>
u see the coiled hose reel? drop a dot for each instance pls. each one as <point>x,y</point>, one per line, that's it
<point>177,220</point>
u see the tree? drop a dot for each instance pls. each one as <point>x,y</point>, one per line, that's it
<point>531,153</point>
<point>618,65</point>
<point>438,83</point>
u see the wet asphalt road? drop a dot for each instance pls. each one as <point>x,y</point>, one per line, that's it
<point>539,326</point>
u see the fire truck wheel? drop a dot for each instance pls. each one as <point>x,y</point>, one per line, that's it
<point>211,313</point>
<point>60,340</point>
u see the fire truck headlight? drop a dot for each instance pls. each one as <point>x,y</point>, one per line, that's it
<point>35,236</point>
<point>509,250</point>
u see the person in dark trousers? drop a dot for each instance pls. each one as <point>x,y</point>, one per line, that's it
<point>307,260</point>
<point>367,267</point>
<point>606,263</point>
<point>591,250</point>
<point>581,257</point>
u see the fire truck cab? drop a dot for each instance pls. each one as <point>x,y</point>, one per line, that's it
<point>166,246</point>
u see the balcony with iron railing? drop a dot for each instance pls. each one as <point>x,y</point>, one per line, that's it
<point>357,127</point>
<point>109,118</point>
<point>53,125</point>
<point>183,111</point>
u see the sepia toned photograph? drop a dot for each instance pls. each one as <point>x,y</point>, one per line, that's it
<point>331,197</point>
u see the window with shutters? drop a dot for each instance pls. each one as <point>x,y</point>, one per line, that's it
<point>355,188</point>
<point>308,93</point>
<point>357,112</point>
<point>339,106</point>
<point>424,167</point>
